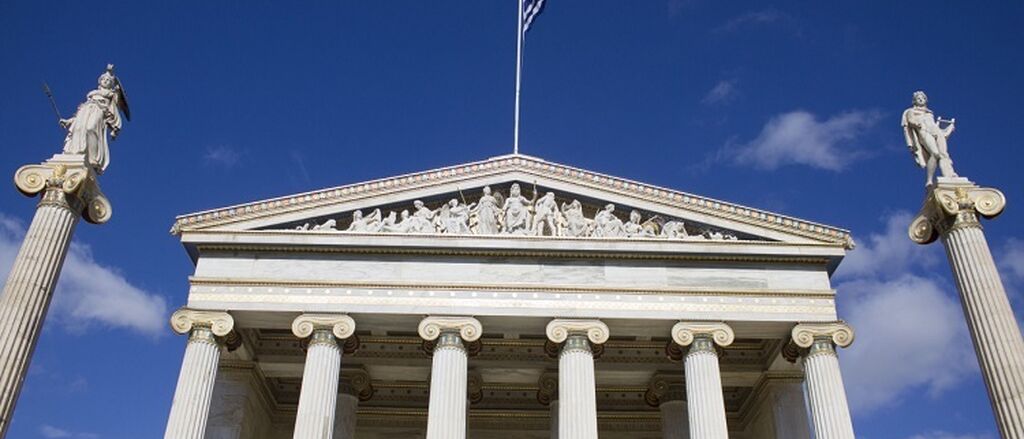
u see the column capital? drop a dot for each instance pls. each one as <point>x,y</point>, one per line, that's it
<point>665,388</point>
<point>558,330</point>
<point>685,332</point>
<point>840,334</point>
<point>953,204</point>
<point>186,319</point>
<point>357,382</point>
<point>341,325</point>
<point>468,328</point>
<point>66,180</point>
<point>547,388</point>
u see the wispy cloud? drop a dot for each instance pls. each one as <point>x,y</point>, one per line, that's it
<point>89,293</point>
<point>222,155</point>
<point>947,435</point>
<point>723,92</point>
<point>911,335</point>
<point>51,432</point>
<point>800,138</point>
<point>753,18</point>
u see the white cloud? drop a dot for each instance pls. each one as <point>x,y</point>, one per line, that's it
<point>723,92</point>
<point>947,435</point>
<point>767,16</point>
<point>910,331</point>
<point>89,293</point>
<point>799,138</point>
<point>222,155</point>
<point>1011,261</point>
<point>51,432</point>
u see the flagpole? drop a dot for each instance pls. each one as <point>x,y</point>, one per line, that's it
<point>519,72</point>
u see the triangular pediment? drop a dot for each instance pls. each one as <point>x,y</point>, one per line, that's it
<point>568,198</point>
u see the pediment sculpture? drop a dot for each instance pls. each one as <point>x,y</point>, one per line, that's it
<point>494,214</point>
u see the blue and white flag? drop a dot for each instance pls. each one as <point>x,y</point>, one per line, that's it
<point>531,9</point>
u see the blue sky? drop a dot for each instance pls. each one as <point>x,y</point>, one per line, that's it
<point>792,108</point>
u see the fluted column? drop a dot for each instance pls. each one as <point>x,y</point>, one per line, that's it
<point>319,394</point>
<point>69,190</point>
<point>446,417</point>
<point>951,210</point>
<point>705,402</point>
<point>577,390</point>
<point>355,386</point>
<point>830,412</point>
<point>547,394</point>
<point>191,406</point>
<point>668,394</point>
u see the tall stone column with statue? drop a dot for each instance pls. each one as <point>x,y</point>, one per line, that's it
<point>68,186</point>
<point>952,208</point>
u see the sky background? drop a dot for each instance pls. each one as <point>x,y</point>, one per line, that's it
<point>789,107</point>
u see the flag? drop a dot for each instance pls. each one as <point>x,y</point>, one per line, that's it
<point>531,9</point>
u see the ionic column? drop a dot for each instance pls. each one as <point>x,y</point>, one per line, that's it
<point>951,211</point>
<point>191,406</point>
<point>69,190</point>
<point>446,417</point>
<point>355,386</point>
<point>830,412</point>
<point>319,393</point>
<point>668,394</point>
<point>547,394</point>
<point>577,391</point>
<point>705,402</point>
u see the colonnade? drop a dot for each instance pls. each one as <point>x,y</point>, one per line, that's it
<point>317,415</point>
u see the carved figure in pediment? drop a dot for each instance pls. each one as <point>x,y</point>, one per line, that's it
<point>674,230</point>
<point>305,226</point>
<point>517,211</point>
<point>330,224</point>
<point>369,223</point>
<point>400,227</point>
<point>488,213</point>
<point>607,224</point>
<point>454,217</point>
<point>546,217</point>
<point>575,223</point>
<point>634,227</point>
<point>422,220</point>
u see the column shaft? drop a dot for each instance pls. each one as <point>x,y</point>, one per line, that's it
<point>829,410</point>
<point>191,406</point>
<point>577,391</point>
<point>789,411</point>
<point>345,416</point>
<point>553,407</point>
<point>27,295</point>
<point>319,393</point>
<point>675,423</point>
<point>994,331</point>
<point>705,402</point>
<point>446,418</point>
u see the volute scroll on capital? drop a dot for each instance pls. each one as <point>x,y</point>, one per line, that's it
<point>74,181</point>
<point>558,330</point>
<point>804,334</point>
<point>468,328</point>
<point>684,333</point>
<point>341,325</point>
<point>949,205</point>
<point>185,319</point>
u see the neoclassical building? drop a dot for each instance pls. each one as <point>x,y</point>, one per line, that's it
<point>508,298</point>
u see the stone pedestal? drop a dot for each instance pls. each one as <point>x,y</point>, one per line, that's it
<point>446,418</point>
<point>704,399</point>
<point>191,406</point>
<point>318,397</point>
<point>69,190</point>
<point>577,390</point>
<point>830,412</point>
<point>951,210</point>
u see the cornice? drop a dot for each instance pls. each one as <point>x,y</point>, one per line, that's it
<point>504,164</point>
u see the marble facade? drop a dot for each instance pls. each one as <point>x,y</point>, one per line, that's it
<point>522,322</point>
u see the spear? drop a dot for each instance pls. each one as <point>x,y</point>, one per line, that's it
<point>49,94</point>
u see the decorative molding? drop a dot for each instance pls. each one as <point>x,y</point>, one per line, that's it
<point>468,328</point>
<point>503,165</point>
<point>558,330</point>
<point>185,319</point>
<point>684,333</point>
<point>949,205</point>
<point>804,333</point>
<point>341,325</point>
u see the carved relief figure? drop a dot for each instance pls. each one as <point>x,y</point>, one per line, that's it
<point>327,225</point>
<point>674,230</point>
<point>926,139</point>
<point>369,223</point>
<point>488,211</point>
<point>517,212</point>
<point>633,227</point>
<point>575,223</point>
<point>454,217</point>
<point>422,221</point>
<point>87,129</point>
<point>546,217</point>
<point>607,224</point>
